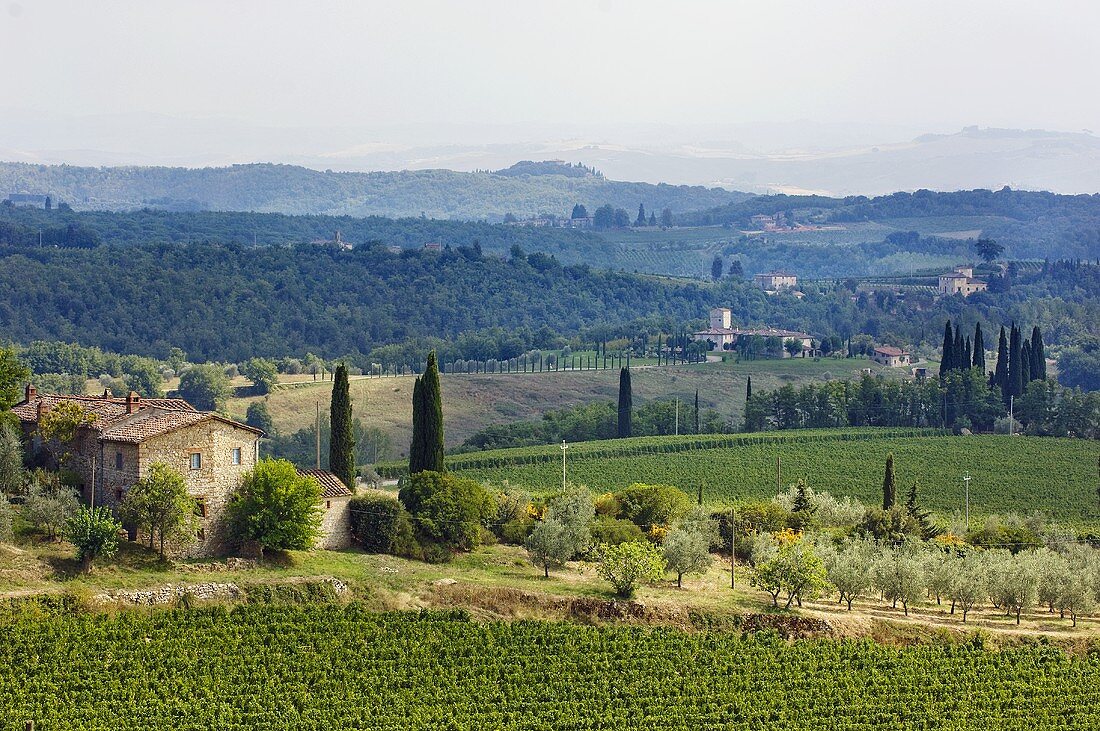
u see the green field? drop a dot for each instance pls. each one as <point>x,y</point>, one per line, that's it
<point>332,667</point>
<point>1017,474</point>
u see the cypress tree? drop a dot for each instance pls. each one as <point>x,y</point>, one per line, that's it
<point>426,450</point>
<point>978,359</point>
<point>1000,375</point>
<point>1025,365</point>
<point>624,403</point>
<point>958,353</point>
<point>889,485</point>
<point>432,396</point>
<point>947,361</point>
<point>341,450</point>
<point>696,411</point>
<point>1038,355</point>
<point>416,447</point>
<point>1015,370</point>
<point>748,389</point>
<point>964,362</point>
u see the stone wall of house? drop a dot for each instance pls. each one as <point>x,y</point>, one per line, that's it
<point>217,477</point>
<point>335,523</point>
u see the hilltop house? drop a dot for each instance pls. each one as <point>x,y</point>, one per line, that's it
<point>721,335</point>
<point>127,435</point>
<point>961,281</point>
<point>775,281</point>
<point>891,357</point>
<point>32,200</point>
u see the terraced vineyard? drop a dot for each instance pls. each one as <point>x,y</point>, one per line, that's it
<point>329,667</point>
<point>1020,474</point>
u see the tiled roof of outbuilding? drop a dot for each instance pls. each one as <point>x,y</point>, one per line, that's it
<point>331,485</point>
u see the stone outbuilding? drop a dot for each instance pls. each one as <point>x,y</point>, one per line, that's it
<point>335,509</point>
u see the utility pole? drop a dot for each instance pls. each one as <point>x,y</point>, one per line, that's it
<point>966,483</point>
<point>733,549</point>
<point>564,447</point>
<point>1011,419</point>
<point>317,434</point>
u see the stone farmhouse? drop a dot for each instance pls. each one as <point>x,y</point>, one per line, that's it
<point>127,435</point>
<point>961,281</point>
<point>723,336</point>
<point>891,357</point>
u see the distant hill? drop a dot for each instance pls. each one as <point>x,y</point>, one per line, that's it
<point>525,190</point>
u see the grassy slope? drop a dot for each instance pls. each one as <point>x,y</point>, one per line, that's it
<point>1021,474</point>
<point>472,402</point>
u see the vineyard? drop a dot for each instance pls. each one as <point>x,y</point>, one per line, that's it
<point>329,667</point>
<point>1021,474</point>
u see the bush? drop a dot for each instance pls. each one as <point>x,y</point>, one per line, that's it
<point>893,525</point>
<point>628,564</point>
<point>380,524</point>
<point>614,531</point>
<point>276,507</point>
<point>94,532</point>
<point>449,511</point>
<point>649,505</point>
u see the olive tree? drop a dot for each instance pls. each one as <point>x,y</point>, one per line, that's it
<point>564,532</point>
<point>796,569</point>
<point>49,504</point>
<point>12,476</point>
<point>626,565</point>
<point>899,575</point>
<point>969,584</point>
<point>849,569</point>
<point>687,546</point>
<point>1013,581</point>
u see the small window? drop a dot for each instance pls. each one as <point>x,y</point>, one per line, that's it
<point>201,534</point>
<point>118,460</point>
<point>236,455</point>
<point>196,461</point>
<point>328,505</point>
<point>200,507</point>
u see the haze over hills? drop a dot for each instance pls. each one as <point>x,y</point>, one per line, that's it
<point>831,159</point>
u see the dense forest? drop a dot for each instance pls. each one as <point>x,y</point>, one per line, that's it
<point>230,302</point>
<point>443,194</point>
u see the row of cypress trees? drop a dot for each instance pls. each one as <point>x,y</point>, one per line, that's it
<point>1019,360</point>
<point>959,354</point>
<point>426,450</point>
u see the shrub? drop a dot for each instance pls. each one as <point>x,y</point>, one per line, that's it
<point>449,511</point>
<point>649,505</point>
<point>614,531</point>
<point>275,507</point>
<point>893,525</point>
<point>94,532</point>
<point>380,524</point>
<point>628,564</point>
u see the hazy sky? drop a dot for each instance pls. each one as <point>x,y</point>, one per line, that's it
<point>923,64</point>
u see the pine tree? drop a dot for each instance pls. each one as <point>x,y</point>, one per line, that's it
<point>341,450</point>
<point>889,485</point>
<point>1000,375</point>
<point>802,502</point>
<point>1038,355</point>
<point>928,529</point>
<point>624,403</point>
<point>978,357</point>
<point>1015,370</point>
<point>640,221</point>
<point>947,361</point>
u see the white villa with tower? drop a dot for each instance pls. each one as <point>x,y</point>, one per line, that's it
<point>723,336</point>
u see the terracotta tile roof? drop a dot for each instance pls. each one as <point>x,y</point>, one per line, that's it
<point>891,351</point>
<point>114,419</point>
<point>331,485</point>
